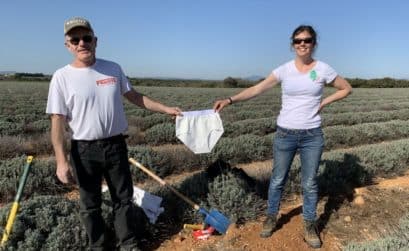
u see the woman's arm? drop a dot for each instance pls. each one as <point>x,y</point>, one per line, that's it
<point>343,90</point>
<point>247,93</point>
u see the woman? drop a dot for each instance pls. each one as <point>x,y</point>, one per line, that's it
<point>298,125</point>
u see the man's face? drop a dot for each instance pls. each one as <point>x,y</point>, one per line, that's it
<point>81,43</point>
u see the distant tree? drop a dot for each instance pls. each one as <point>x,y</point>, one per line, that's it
<point>230,82</point>
<point>244,83</point>
<point>386,82</point>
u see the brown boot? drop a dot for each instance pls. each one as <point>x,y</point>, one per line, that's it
<point>268,226</point>
<point>311,235</point>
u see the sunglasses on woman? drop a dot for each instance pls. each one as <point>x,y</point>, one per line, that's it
<point>85,38</point>
<point>308,40</point>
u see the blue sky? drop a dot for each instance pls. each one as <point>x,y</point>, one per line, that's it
<point>210,39</point>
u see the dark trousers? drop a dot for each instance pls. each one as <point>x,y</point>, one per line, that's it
<point>92,161</point>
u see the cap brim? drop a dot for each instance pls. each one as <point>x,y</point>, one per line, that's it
<point>78,26</point>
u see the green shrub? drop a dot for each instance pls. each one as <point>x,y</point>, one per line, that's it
<point>398,240</point>
<point>181,159</point>
<point>244,148</point>
<point>10,146</point>
<point>40,225</point>
<point>260,127</point>
<point>136,136</point>
<point>342,170</point>
<point>158,163</point>
<point>344,136</point>
<point>41,179</point>
<point>10,128</point>
<point>148,121</point>
<point>232,196</point>
<point>161,134</point>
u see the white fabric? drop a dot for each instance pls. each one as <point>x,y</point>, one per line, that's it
<point>149,203</point>
<point>199,130</point>
<point>91,98</point>
<point>301,94</point>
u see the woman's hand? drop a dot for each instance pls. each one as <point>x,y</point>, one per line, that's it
<point>220,104</point>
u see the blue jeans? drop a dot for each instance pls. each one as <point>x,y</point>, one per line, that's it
<point>310,144</point>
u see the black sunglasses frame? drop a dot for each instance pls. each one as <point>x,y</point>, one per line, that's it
<point>85,38</point>
<point>309,40</point>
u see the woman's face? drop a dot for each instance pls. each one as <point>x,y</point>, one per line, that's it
<point>303,44</point>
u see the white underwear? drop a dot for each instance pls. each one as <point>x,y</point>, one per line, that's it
<point>148,202</point>
<point>199,130</point>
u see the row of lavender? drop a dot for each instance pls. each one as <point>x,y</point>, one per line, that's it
<point>367,135</point>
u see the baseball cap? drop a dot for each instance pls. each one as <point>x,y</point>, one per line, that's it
<point>76,22</point>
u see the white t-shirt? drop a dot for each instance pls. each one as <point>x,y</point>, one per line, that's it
<point>301,94</point>
<point>91,98</point>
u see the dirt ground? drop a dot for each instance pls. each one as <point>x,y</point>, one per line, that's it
<point>370,213</point>
<point>367,215</point>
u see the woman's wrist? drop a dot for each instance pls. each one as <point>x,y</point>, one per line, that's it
<point>230,101</point>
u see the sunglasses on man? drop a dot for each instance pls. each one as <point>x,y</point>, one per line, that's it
<point>85,39</point>
<point>308,40</point>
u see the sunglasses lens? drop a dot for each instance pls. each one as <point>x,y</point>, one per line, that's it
<point>76,40</point>
<point>299,41</point>
<point>308,40</point>
<point>87,39</point>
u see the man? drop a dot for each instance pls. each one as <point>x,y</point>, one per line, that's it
<point>86,94</point>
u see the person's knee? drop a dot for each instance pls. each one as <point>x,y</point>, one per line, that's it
<point>277,183</point>
<point>278,177</point>
<point>310,185</point>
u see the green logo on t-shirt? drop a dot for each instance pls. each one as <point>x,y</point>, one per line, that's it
<point>313,75</point>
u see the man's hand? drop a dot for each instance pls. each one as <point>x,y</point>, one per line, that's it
<point>64,173</point>
<point>173,111</point>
